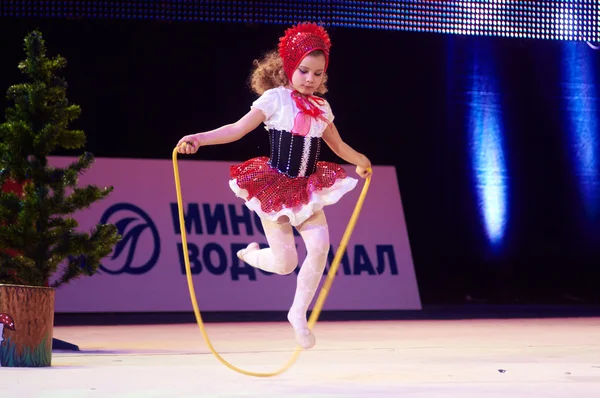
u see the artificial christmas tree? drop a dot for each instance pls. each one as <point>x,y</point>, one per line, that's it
<point>40,248</point>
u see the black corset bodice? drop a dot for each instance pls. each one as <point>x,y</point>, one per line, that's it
<point>294,155</point>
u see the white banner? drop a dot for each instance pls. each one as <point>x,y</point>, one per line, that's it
<point>146,272</point>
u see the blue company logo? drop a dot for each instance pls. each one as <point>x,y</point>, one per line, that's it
<point>136,228</point>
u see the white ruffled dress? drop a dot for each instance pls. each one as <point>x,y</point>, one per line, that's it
<point>292,182</point>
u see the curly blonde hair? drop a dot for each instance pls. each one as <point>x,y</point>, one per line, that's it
<point>268,73</point>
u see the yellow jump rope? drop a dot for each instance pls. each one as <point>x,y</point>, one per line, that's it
<point>320,299</point>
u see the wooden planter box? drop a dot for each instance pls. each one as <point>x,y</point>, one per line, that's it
<point>26,325</point>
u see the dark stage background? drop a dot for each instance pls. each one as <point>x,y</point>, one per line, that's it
<point>495,139</point>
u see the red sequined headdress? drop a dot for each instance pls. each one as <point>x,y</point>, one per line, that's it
<point>300,40</point>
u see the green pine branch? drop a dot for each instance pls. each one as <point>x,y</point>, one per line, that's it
<point>39,227</point>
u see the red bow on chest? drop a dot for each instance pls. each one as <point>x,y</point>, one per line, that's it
<point>307,104</point>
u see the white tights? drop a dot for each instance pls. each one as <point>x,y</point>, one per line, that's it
<point>281,258</point>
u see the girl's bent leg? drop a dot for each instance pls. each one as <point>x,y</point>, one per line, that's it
<point>280,257</point>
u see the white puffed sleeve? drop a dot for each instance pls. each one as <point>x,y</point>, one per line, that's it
<point>268,103</point>
<point>328,112</point>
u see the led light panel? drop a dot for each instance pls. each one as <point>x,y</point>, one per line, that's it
<point>575,20</point>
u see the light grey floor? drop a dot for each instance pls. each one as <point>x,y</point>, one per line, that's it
<point>484,358</point>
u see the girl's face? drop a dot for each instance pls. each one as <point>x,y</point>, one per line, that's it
<point>309,74</point>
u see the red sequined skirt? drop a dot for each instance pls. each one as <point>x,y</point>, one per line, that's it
<point>273,194</point>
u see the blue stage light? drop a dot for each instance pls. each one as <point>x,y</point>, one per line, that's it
<point>581,110</point>
<point>487,150</point>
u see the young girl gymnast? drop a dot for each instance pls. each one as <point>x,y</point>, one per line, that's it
<point>291,186</point>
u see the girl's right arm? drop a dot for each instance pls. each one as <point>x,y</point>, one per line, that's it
<point>222,135</point>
